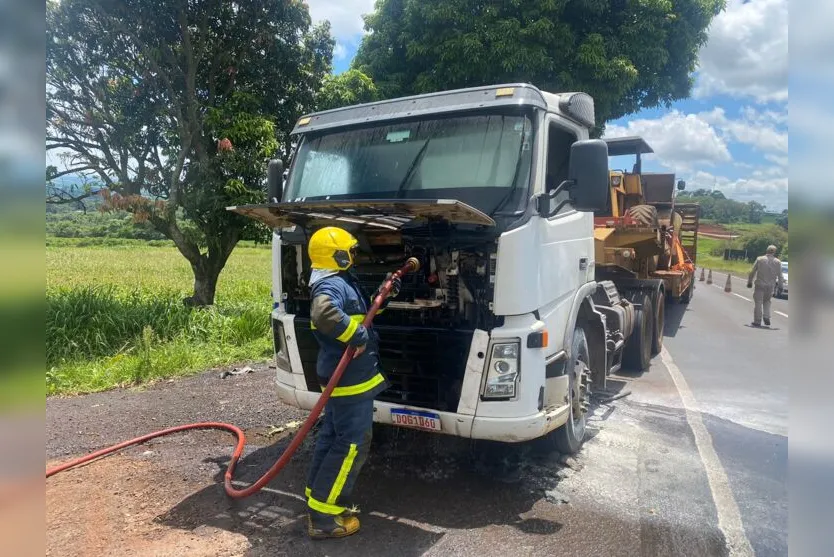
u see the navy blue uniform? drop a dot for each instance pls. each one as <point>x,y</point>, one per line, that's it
<point>338,308</point>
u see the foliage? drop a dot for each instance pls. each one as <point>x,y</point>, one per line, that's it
<point>78,224</point>
<point>347,88</point>
<point>627,55</point>
<point>114,318</point>
<point>782,219</point>
<point>756,242</point>
<point>174,107</point>
<point>715,206</point>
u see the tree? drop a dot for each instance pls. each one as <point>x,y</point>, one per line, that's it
<point>627,55</point>
<point>755,212</point>
<point>175,107</point>
<point>756,242</point>
<point>782,219</point>
<point>347,88</point>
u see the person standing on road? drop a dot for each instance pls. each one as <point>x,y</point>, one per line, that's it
<point>337,310</point>
<point>767,271</point>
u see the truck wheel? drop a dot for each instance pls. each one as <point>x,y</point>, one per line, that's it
<point>568,438</point>
<point>686,297</point>
<point>644,214</point>
<point>660,318</point>
<point>637,354</point>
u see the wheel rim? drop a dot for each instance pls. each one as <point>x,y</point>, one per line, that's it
<point>579,399</point>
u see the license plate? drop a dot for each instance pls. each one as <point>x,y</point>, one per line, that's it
<point>416,419</point>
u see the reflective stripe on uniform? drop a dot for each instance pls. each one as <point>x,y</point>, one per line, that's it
<point>355,321</point>
<point>347,464</point>
<point>307,492</point>
<point>324,508</point>
<point>359,388</point>
<point>349,332</point>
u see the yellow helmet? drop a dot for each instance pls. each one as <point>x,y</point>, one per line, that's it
<point>332,249</point>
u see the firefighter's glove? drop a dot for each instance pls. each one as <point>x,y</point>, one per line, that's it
<point>395,287</point>
<point>749,285</point>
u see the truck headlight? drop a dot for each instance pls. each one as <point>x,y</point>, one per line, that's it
<point>282,353</point>
<point>502,374</point>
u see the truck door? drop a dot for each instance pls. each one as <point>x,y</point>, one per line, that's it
<point>566,253</point>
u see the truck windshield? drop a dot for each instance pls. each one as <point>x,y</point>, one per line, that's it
<point>483,160</point>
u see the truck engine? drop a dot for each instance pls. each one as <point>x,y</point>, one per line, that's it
<point>426,331</point>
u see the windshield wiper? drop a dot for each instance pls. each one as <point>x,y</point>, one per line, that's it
<point>419,157</point>
<point>514,187</point>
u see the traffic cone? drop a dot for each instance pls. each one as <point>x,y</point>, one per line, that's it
<point>729,286</point>
<point>703,277</point>
<point>709,277</point>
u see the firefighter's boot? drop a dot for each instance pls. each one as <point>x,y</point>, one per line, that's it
<point>323,526</point>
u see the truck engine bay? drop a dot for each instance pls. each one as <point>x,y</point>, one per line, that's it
<point>426,331</point>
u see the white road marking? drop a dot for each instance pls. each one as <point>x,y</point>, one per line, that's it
<point>785,315</point>
<point>729,516</point>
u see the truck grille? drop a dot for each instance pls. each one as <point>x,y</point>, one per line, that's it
<point>424,365</point>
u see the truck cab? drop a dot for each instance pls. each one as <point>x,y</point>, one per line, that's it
<point>504,329</point>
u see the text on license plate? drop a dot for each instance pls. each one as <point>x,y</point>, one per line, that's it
<point>416,418</point>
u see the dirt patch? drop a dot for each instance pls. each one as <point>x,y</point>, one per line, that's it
<point>111,507</point>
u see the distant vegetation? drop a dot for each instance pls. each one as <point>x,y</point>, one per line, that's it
<point>715,206</point>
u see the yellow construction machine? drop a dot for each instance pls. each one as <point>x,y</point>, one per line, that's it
<point>646,236</point>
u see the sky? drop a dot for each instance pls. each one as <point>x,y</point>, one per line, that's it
<point>730,135</point>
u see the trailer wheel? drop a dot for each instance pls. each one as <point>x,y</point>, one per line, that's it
<point>638,349</point>
<point>568,438</point>
<point>660,318</point>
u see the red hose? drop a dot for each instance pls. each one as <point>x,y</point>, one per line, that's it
<point>411,265</point>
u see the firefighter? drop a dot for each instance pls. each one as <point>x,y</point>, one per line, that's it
<point>767,271</point>
<point>338,307</point>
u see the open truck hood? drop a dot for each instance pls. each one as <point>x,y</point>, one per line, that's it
<point>386,214</point>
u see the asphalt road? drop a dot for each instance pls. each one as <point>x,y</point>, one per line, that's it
<point>692,463</point>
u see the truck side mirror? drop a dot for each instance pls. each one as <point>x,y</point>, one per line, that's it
<point>588,173</point>
<point>681,185</point>
<point>274,181</point>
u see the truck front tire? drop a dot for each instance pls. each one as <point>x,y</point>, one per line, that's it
<point>568,438</point>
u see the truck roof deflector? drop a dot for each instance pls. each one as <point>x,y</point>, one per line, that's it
<point>386,214</point>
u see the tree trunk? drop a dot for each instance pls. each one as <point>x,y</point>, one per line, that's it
<point>205,284</point>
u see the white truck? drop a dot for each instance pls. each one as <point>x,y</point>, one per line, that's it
<point>505,329</point>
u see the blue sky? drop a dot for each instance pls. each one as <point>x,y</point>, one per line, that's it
<point>732,134</point>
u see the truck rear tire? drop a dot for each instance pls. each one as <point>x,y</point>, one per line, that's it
<point>568,438</point>
<point>638,348</point>
<point>660,318</point>
<point>644,214</point>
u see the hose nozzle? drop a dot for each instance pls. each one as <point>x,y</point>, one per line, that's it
<point>413,264</point>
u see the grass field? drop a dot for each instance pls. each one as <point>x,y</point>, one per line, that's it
<point>716,262</point>
<point>115,315</point>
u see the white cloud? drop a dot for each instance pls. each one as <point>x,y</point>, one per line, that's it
<point>679,140</point>
<point>766,186</point>
<point>746,54</point>
<point>755,128</point>
<point>345,16</point>
<point>339,51</point>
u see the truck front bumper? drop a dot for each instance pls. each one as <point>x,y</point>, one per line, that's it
<point>508,430</point>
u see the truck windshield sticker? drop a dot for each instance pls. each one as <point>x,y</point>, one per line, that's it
<point>397,136</point>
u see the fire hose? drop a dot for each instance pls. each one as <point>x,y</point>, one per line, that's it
<point>411,266</point>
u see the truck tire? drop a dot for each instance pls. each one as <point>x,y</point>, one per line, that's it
<point>686,297</point>
<point>644,214</point>
<point>568,438</point>
<point>659,320</point>
<point>638,348</point>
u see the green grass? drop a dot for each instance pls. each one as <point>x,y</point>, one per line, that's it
<point>707,258</point>
<point>115,315</point>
